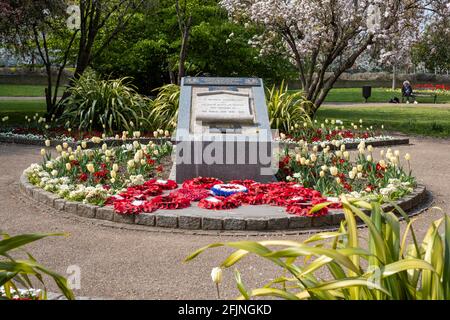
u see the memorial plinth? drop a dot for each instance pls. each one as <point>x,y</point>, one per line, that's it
<point>223,130</point>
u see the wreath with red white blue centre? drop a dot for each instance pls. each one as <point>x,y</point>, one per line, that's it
<point>227,189</point>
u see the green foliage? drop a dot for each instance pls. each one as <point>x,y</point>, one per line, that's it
<point>149,48</point>
<point>164,112</point>
<point>286,109</point>
<point>432,49</point>
<point>15,273</point>
<point>393,266</point>
<point>108,105</point>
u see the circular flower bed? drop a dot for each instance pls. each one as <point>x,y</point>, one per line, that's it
<point>129,178</point>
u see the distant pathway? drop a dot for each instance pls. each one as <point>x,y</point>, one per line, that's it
<point>120,263</point>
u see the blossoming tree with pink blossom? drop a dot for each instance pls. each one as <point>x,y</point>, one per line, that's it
<point>325,38</point>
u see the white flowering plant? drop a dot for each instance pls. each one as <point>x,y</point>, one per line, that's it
<point>331,130</point>
<point>92,175</point>
<point>339,172</point>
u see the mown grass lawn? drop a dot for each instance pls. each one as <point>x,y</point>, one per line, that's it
<point>378,95</point>
<point>23,90</point>
<point>17,110</point>
<point>412,119</point>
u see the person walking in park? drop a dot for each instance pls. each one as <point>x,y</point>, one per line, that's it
<point>407,92</point>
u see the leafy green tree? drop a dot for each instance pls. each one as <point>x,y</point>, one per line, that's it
<point>432,50</point>
<point>150,46</point>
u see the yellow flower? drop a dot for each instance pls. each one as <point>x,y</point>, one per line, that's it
<point>115,167</point>
<point>90,168</point>
<point>68,166</point>
<point>58,148</point>
<point>42,152</point>
<point>334,171</point>
<point>407,157</point>
<point>322,174</point>
<point>83,144</point>
<point>216,275</point>
<point>359,167</point>
<point>130,163</point>
<point>142,162</point>
<point>351,175</point>
<point>113,174</point>
<point>96,140</point>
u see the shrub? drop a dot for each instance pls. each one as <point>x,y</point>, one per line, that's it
<point>15,272</point>
<point>108,105</point>
<point>164,112</point>
<point>286,109</point>
<point>393,266</point>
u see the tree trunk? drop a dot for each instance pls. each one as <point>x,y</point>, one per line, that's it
<point>394,77</point>
<point>183,50</point>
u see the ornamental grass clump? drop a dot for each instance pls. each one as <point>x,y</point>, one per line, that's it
<point>286,108</point>
<point>392,266</point>
<point>109,105</point>
<point>164,109</point>
<point>16,274</point>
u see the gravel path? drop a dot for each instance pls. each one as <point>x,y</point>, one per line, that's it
<point>121,263</point>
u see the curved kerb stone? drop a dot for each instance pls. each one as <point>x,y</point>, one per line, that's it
<point>251,218</point>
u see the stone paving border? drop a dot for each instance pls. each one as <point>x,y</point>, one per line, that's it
<point>205,219</point>
<point>115,142</point>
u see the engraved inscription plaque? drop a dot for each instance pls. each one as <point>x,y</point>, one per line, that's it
<point>223,106</point>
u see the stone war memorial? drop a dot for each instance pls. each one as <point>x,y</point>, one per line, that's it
<point>223,130</point>
<point>286,153</point>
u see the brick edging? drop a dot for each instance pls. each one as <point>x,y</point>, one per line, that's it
<point>191,221</point>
